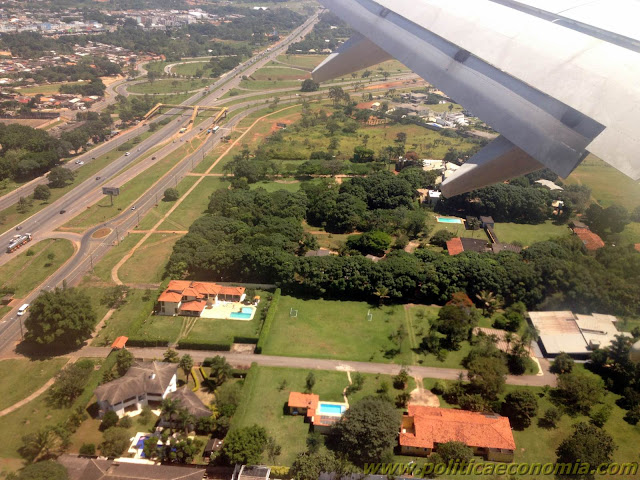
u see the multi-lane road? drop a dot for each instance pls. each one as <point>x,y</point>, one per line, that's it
<point>43,223</point>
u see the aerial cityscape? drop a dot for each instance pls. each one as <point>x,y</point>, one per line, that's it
<point>319,239</point>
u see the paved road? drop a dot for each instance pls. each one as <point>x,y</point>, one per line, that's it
<point>91,250</point>
<point>246,359</point>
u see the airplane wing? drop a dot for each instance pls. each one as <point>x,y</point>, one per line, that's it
<point>558,79</point>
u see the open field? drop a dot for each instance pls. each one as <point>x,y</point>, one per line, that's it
<point>160,328</point>
<point>147,263</point>
<point>25,272</point>
<point>631,233</point>
<point>280,72</point>
<point>608,185</point>
<point>264,402</point>
<point>194,205</point>
<point>156,213</point>
<point>20,378</point>
<point>102,210</point>
<point>529,234</point>
<point>102,269</point>
<point>302,61</point>
<point>44,89</point>
<point>169,86</point>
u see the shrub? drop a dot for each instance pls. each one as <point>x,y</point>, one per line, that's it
<point>126,422</point>
<point>438,388</point>
<point>266,328</point>
<point>110,419</point>
<point>633,416</point>
<point>88,449</point>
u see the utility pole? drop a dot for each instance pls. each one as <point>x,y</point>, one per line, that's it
<point>117,236</point>
<point>91,260</point>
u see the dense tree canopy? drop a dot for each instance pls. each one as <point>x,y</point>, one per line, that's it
<point>245,445</point>
<point>588,444</point>
<point>47,470</point>
<point>61,318</point>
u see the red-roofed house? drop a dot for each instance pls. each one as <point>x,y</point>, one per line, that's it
<point>591,241</point>
<point>183,297</point>
<point>322,415</point>
<point>637,247</point>
<point>424,428</point>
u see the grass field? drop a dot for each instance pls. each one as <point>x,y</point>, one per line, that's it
<point>529,234</point>
<point>303,61</point>
<point>608,185</point>
<point>102,210</point>
<point>631,233</point>
<point>161,328</point>
<point>20,378</point>
<point>102,269</point>
<point>24,273</point>
<point>156,213</point>
<point>147,263</point>
<point>264,402</point>
<point>45,89</point>
<point>191,68</point>
<point>169,86</point>
<point>194,205</point>
<point>120,321</point>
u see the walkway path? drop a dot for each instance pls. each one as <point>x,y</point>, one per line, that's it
<point>33,396</point>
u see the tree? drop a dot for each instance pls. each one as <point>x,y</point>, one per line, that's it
<point>47,470</point>
<point>62,317</point>
<point>23,205</point>
<point>487,376</point>
<point>59,177</point>
<point>170,409</point>
<point>220,370</point>
<point>600,415</point>
<point>374,242</point>
<point>171,356</point>
<point>273,450</point>
<point>87,449</point>
<point>551,417</point>
<point>109,420</point>
<point>455,323</point>
<point>114,297</point>
<point>580,391</point>
<point>171,195</point>
<point>115,442</point>
<point>42,192</point>
<point>588,445</point>
<point>245,445</point>
<point>368,430</point>
<point>521,406</point>
<point>48,442</point>
<point>563,363</point>
<point>309,465</point>
<point>186,364</point>
<point>452,451</point>
<point>124,360</point>
<point>440,238</point>
<point>310,382</point>
<point>488,301</point>
<point>308,85</point>
<point>70,383</point>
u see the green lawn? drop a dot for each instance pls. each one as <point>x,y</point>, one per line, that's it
<point>147,263</point>
<point>161,328</point>
<point>192,68</point>
<point>280,73</point>
<point>25,272</point>
<point>162,207</point>
<point>102,210</point>
<point>263,402</point>
<point>194,205</point>
<point>631,233</point>
<point>303,61</point>
<point>169,86</point>
<point>120,322</point>
<point>223,331</point>
<point>529,234</point>
<point>102,269</point>
<point>45,89</point>
<point>20,378</point>
<point>333,329</point>
<point>608,185</point>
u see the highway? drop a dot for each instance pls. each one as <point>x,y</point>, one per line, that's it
<point>43,223</point>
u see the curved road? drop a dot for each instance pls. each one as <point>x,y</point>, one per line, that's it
<point>49,218</point>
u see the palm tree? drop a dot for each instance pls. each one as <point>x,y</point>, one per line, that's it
<point>169,409</point>
<point>508,337</point>
<point>186,364</point>
<point>488,300</point>
<point>220,370</point>
<point>381,292</point>
<point>185,419</point>
<point>531,334</point>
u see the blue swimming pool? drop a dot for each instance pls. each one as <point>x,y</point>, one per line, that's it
<point>449,220</point>
<point>240,316</point>
<point>248,310</point>
<point>330,408</point>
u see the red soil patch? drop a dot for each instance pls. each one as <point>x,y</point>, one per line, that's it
<point>103,232</point>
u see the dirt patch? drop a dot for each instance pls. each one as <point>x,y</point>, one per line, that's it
<point>103,232</point>
<point>424,397</point>
<point>243,348</point>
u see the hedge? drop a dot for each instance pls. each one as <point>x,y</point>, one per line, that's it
<point>250,340</point>
<point>147,342</point>
<point>196,345</point>
<point>247,389</point>
<point>266,328</point>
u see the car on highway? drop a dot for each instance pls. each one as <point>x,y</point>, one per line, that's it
<point>18,227</point>
<point>127,154</point>
<point>133,208</point>
<point>63,211</point>
<point>98,178</point>
<point>23,309</point>
<point>153,158</point>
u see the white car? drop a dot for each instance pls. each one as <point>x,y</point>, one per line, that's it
<point>23,309</point>
<point>80,162</point>
<point>127,154</point>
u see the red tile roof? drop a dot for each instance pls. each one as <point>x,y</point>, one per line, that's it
<point>193,306</point>
<point>304,400</point>
<point>440,425</point>
<point>169,296</point>
<point>454,246</point>
<point>119,343</point>
<point>178,285</point>
<point>591,240</point>
<point>637,246</point>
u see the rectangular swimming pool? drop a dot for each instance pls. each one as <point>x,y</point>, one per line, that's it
<point>330,408</point>
<point>449,220</point>
<point>240,315</point>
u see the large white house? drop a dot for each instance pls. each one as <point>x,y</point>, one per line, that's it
<point>146,383</point>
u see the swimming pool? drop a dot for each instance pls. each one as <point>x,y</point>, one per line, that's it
<point>248,310</point>
<point>449,220</point>
<point>330,408</point>
<point>240,316</point>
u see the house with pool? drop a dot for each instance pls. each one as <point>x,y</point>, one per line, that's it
<point>320,414</point>
<point>204,299</point>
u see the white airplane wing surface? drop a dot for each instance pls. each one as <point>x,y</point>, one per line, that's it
<point>558,79</point>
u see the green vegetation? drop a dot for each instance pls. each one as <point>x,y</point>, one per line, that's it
<point>168,86</point>
<point>20,378</point>
<point>102,270</point>
<point>526,235</point>
<point>147,263</point>
<point>26,271</point>
<point>162,207</point>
